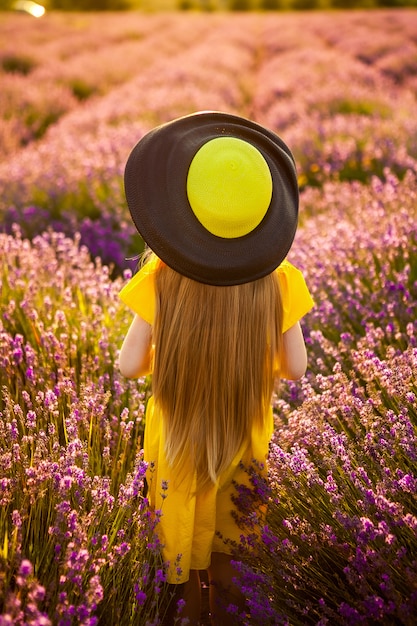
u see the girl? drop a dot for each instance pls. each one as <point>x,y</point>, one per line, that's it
<point>217,310</point>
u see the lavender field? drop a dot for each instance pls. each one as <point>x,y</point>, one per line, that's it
<point>77,92</point>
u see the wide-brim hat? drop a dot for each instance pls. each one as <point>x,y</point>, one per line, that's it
<point>215,196</point>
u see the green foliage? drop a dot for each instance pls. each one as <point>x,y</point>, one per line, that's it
<point>81,89</point>
<point>17,64</point>
<point>272,5</point>
<point>350,106</point>
<point>91,5</point>
<point>240,5</point>
<point>304,4</point>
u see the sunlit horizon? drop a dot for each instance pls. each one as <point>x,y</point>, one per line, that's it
<point>33,8</point>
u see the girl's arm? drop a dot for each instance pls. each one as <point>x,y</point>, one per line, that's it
<point>294,354</point>
<point>136,351</point>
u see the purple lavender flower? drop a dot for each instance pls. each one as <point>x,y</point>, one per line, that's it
<point>26,569</point>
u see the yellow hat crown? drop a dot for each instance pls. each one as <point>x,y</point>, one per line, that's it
<point>229,186</point>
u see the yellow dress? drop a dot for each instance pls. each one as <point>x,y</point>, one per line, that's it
<point>190,523</point>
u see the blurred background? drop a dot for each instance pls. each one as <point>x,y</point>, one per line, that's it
<point>38,9</point>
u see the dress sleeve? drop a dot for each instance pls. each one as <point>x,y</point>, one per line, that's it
<point>296,298</point>
<point>139,293</point>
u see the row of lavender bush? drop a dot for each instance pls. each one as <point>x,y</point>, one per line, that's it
<point>340,540</point>
<point>342,96</point>
<point>76,540</point>
<point>75,531</point>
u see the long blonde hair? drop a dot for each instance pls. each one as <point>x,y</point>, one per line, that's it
<point>216,356</point>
